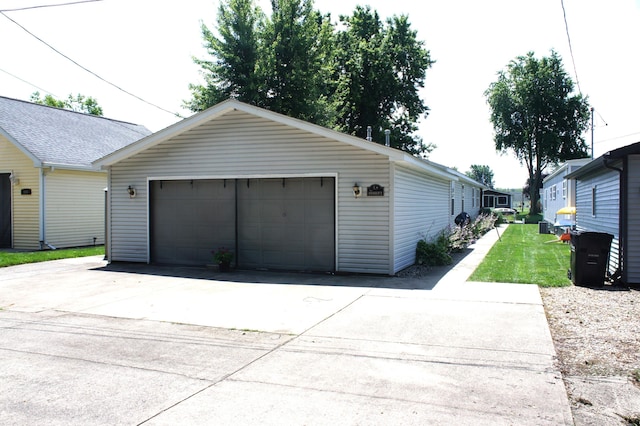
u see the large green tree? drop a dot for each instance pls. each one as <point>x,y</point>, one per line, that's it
<point>297,63</point>
<point>537,116</point>
<point>380,69</point>
<point>482,174</point>
<point>233,70</point>
<point>295,51</point>
<point>78,103</point>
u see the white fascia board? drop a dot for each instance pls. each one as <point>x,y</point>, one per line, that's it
<point>73,167</point>
<point>229,105</point>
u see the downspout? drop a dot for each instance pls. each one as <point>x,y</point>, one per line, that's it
<point>619,274</point>
<point>43,234</point>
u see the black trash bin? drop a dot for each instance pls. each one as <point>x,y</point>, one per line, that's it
<point>589,257</point>
<point>543,227</point>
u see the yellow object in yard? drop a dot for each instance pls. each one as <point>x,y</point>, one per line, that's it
<point>567,210</point>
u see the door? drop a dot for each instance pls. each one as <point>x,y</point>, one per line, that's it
<point>287,224</point>
<point>190,219</point>
<point>5,210</point>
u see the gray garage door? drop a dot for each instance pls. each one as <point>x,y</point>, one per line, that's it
<point>189,219</point>
<point>286,224</point>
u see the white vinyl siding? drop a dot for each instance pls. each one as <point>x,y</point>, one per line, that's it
<point>240,145</point>
<point>25,209</point>
<point>606,218</point>
<point>74,207</point>
<point>633,225</point>
<point>420,211</point>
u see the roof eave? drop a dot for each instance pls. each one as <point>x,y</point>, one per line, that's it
<point>36,161</point>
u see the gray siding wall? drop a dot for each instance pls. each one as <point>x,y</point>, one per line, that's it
<point>633,215</point>
<point>420,210</point>
<point>242,145</point>
<point>606,218</point>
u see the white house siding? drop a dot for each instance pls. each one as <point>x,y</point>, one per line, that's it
<point>240,145</point>
<point>633,225</point>
<point>552,203</point>
<point>25,209</point>
<point>420,210</point>
<point>606,218</point>
<point>77,226</point>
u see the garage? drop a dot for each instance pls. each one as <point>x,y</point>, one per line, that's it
<point>270,223</point>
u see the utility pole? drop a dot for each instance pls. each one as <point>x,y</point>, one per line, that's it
<point>592,110</point>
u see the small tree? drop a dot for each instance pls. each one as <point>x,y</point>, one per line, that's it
<point>536,115</point>
<point>482,174</point>
<point>79,103</point>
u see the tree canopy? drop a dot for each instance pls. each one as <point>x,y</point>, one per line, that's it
<point>482,174</point>
<point>536,115</point>
<point>79,103</point>
<point>360,73</point>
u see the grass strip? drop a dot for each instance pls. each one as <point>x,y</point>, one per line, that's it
<point>527,257</point>
<point>8,258</point>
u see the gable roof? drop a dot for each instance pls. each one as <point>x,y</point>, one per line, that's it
<point>62,138</point>
<point>602,161</point>
<point>227,106</point>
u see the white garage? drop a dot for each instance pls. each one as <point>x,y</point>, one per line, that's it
<point>281,193</point>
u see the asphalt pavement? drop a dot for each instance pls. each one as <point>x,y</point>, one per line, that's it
<point>83,342</point>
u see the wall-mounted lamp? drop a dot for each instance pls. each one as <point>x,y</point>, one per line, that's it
<point>357,191</point>
<point>131,191</point>
<point>14,179</point>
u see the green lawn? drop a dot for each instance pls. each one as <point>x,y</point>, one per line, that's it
<point>18,258</point>
<point>525,256</point>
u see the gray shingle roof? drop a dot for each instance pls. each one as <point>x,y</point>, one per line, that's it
<point>61,137</point>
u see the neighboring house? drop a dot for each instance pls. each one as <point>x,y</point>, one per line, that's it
<point>495,199</point>
<point>607,201</point>
<point>558,191</point>
<point>50,195</point>
<point>279,192</point>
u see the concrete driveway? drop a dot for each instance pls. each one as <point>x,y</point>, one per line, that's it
<point>86,343</point>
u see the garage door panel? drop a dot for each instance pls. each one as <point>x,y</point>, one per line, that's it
<point>294,220</point>
<point>189,219</point>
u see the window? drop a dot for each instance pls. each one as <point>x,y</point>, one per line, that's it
<point>564,189</point>
<point>502,200</point>
<point>553,192</point>
<point>462,196</point>
<point>593,200</point>
<point>453,198</point>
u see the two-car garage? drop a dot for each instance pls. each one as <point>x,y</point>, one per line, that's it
<point>269,223</point>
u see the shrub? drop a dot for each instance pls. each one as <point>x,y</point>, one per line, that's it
<point>438,252</point>
<point>435,253</point>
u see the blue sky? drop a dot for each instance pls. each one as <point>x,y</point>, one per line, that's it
<point>145,47</point>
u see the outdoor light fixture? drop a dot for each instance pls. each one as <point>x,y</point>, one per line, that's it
<point>131,191</point>
<point>14,179</point>
<point>356,190</point>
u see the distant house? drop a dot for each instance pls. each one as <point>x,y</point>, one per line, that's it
<point>558,191</point>
<point>495,199</point>
<point>607,201</point>
<point>281,193</point>
<point>50,195</point>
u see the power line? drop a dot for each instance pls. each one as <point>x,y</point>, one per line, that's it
<point>30,84</point>
<point>618,137</point>
<point>48,5</point>
<point>566,26</point>
<point>88,70</point>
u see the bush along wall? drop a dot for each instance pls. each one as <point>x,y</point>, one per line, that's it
<point>437,252</point>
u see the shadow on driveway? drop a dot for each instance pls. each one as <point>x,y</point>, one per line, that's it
<point>413,278</point>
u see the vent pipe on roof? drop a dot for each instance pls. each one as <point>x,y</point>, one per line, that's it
<point>369,138</point>
<point>387,134</point>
